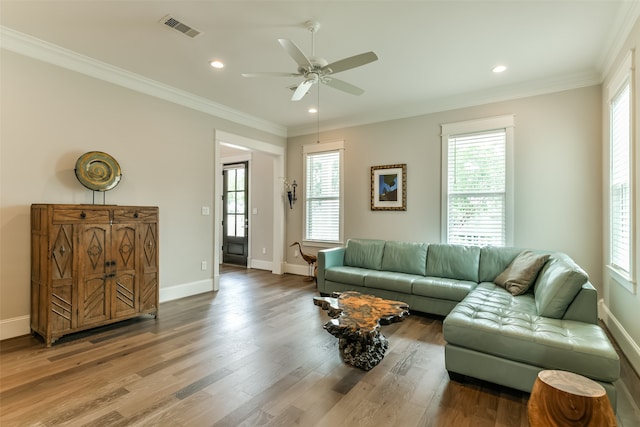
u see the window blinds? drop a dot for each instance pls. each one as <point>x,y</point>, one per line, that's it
<point>620,180</point>
<point>323,196</point>
<point>477,188</point>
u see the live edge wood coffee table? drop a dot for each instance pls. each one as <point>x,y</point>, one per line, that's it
<point>356,323</point>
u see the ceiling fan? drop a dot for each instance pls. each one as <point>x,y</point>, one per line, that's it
<point>317,70</point>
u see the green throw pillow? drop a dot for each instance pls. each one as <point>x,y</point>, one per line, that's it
<point>521,273</point>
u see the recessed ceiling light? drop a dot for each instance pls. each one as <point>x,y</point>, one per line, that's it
<point>499,68</point>
<point>313,110</point>
<point>216,64</point>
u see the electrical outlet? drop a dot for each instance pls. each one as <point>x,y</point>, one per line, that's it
<point>205,210</point>
<point>296,253</point>
<point>203,265</point>
<point>264,251</point>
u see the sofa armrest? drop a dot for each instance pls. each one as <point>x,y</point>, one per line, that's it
<point>328,258</point>
<point>584,307</point>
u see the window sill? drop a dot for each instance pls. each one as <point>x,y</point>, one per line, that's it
<point>321,244</point>
<point>622,279</point>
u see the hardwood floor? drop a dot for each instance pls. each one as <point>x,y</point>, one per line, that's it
<point>254,353</point>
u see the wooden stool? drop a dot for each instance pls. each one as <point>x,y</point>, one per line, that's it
<point>560,398</point>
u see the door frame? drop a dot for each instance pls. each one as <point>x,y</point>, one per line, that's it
<point>278,236</point>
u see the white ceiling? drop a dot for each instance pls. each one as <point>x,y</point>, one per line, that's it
<point>433,55</point>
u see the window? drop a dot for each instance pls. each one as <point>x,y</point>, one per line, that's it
<point>620,207</point>
<point>323,192</point>
<point>477,202</point>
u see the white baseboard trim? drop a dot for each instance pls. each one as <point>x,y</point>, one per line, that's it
<point>186,290</point>
<point>629,347</point>
<point>15,327</point>
<point>301,270</point>
<point>261,265</point>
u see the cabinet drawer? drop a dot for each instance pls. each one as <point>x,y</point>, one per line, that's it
<point>80,215</point>
<point>135,214</point>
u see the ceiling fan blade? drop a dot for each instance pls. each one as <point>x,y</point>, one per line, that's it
<point>342,85</point>
<point>349,63</point>
<point>295,53</point>
<point>302,90</point>
<point>271,74</point>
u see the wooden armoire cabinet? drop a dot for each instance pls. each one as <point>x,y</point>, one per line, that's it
<point>91,265</point>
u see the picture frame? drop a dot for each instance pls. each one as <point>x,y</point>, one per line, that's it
<point>389,187</point>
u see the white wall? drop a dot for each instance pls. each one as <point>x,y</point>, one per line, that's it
<point>621,306</point>
<point>50,116</point>
<point>558,172</point>
<point>262,179</point>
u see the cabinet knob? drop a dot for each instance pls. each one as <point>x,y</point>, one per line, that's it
<point>135,215</point>
<point>83,214</point>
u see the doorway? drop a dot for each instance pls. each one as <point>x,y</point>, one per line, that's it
<point>235,222</point>
<point>272,189</point>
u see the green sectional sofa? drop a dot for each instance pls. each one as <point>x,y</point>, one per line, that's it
<point>491,334</point>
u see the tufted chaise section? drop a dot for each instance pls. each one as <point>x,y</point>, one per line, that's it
<point>492,321</point>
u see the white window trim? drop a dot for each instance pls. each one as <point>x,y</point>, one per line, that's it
<point>317,148</point>
<point>622,76</point>
<point>506,122</point>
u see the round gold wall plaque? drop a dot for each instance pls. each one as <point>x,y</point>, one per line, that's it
<point>98,171</point>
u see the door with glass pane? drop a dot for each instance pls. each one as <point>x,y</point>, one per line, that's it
<point>235,223</point>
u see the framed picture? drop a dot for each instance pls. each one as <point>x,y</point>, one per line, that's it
<point>389,188</point>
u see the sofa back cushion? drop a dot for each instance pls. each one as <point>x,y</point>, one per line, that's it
<point>453,261</point>
<point>494,260</point>
<point>557,285</point>
<point>364,253</point>
<point>405,257</point>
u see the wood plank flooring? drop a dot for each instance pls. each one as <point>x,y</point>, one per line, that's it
<point>252,354</point>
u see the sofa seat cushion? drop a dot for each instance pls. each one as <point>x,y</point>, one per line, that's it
<point>391,281</point>
<point>442,288</point>
<point>490,294</point>
<point>523,336</point>
<point>347,275</point>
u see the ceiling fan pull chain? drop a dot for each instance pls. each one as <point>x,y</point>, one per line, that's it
<point>318,119</point>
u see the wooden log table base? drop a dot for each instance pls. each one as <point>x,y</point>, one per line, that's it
<point>561,398</point>
<point>356,320</point>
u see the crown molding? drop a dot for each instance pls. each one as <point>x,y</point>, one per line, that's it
<point>454,102</point>
<point>32,47</point>
<point>625,21</point>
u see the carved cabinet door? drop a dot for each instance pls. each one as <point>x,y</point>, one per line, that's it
<point>149,268</point>
<point>124,286</point>
<point>62,276</point>
<point>93,252</point>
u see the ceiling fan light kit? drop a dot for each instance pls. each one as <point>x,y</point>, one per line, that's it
<point>316,69</point>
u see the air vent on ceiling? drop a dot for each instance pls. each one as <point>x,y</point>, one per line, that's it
<point>172,22</point>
